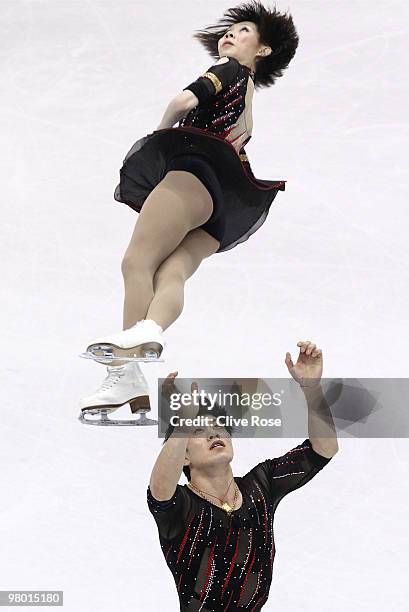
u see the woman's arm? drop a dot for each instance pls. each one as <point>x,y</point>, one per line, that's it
<point>178,108</point>
<point>214,80</point>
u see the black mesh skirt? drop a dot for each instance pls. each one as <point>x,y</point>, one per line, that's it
<point>240,201</point>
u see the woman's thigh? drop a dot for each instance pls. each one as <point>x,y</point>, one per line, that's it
<point>187,257</point>
<point>177,205</point>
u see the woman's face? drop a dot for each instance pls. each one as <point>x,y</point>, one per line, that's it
<point>244,39</point>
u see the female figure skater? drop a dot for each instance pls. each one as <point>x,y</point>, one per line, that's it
<point>194,189</point>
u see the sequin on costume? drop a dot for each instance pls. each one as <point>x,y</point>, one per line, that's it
<point>226,564</point>
<point>214,134</point>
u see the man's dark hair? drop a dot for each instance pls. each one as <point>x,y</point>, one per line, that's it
<point>203,411</point>
<point>275,29</point>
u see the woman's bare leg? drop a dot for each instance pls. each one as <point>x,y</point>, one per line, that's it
<point>170,278</point>
<point>178,204</point>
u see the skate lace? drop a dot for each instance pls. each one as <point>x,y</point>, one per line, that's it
<point>113,376</point>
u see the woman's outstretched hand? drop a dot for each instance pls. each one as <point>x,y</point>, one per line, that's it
<point>308,369</point>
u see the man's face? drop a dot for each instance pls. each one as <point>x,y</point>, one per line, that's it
<point>209,446</point>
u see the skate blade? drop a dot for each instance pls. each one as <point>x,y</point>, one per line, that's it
<point>112,358</point>
<point>149,350</point>
<point>97,410</point>
<point>104,421</point>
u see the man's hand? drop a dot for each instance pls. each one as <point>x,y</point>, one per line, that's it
<point>308,369</point>
<point>168,385</point>
<point>187,410</point>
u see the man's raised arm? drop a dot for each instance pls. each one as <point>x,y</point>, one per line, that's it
<point>169,464</point>
<point>168,468</point>
<point>308,372</point>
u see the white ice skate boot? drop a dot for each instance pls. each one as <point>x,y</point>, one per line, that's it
<point>123,384</point>
<point>141,342</point>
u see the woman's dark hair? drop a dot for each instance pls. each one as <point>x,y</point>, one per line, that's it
<point>203,411</point>
<point>275,29</point>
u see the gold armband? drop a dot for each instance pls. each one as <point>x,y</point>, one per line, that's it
<point>215,80</point>
<point>243,157</point>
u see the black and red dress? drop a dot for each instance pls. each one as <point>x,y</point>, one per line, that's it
<point>221,563</point>
<point>209,141</point>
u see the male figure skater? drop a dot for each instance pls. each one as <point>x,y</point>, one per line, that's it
<point>216,532</point>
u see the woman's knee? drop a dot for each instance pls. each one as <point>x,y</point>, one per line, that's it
<point>173,271</point>
<point>143,254</point>
<point>186,259</point>
<point>137,264</point>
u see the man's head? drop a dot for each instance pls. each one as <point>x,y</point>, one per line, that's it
<point>209,446</point>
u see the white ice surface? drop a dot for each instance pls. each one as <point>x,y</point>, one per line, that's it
<point>80,82</point>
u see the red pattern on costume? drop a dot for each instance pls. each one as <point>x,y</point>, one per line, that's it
<point>209,569</point>
<point>258,602</point>
<point>183,542</point>
<point>168,551</point>
<point>232,562</point>
<point>247,576</point>
<point>192,548</point>
<point>228,603</point>
<point>222,119</point>
<point>226,132</point>
<point>249,551</point>
<point>233,89</point>
<point>228,538</point>
<point>265,513</point>
<point>237,137</point>
<point>273,548</point>
<point>234,102</point>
